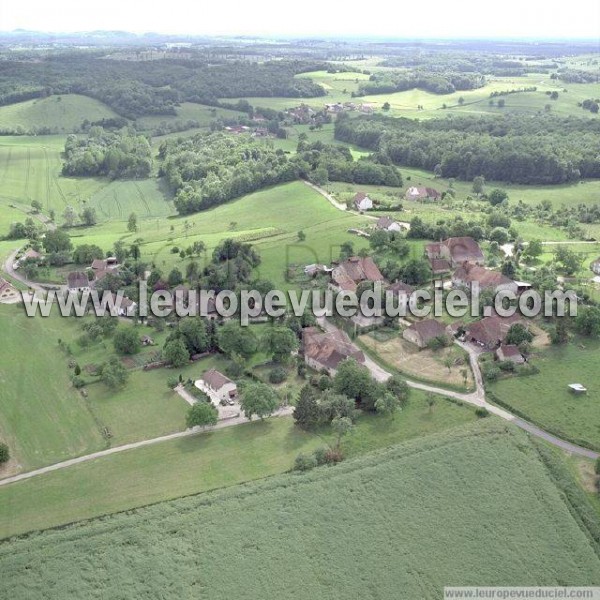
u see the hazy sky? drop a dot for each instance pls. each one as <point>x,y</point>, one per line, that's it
<point>408,18</point>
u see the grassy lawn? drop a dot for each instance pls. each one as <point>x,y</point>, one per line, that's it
<point>545,399</point>
<point>437,509</point>
<point>200,463</point>
<point>42,418</point>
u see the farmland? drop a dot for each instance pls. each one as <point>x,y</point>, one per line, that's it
<point>199,463</point>
<point>426,507</point>
<point>545,399</point>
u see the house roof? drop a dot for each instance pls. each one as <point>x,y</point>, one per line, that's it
<point>329,349</point>
<point>359,196</point>
<point>215,380</point>
<point>509,350</point>
<point>428,329</point>
<point>400,286</point>
<point>77,279</point>
<point>463,249</point>
<point>98,263</point>
<point>31,253</point>
<point>491,330</point>
<point>422,192</point>
<point>439,265</point>
<point>384,223</point>
<point>352,271</point>
<point>486,278</point>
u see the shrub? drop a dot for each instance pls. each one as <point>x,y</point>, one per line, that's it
<point>172,383</point>
<point>482,412</point>
<point>597,466</point>
<point>490,371</point>
<point>278,375</point>
<point>4,453</point>
<point>305,462</point>
<point>320,455</point>
<point>506,365</point>
<point>325,382</point>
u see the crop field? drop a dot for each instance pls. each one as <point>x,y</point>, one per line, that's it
<point>199,463</point>
<point>428,513</point>
<point>42,417</point>
<point>63,113</point>
<point>545,399</point>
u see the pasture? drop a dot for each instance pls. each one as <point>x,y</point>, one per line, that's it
<point>545,399</point>
<point>63,114</point>
<point>42,417</point>
<point>199,463</point>
<point>429,513</point>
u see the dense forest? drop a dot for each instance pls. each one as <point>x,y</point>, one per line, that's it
<point>137,88</point>
<point>514,149</point>
<point>112,153</point>
<point>210,169</point>
<point>436,83</point>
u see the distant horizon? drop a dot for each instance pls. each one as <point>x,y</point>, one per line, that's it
<point>513,20</point>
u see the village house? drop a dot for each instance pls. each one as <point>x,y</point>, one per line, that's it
<point>439,266</point>
<point>423,332</point>
<point>77,281</point>
<point>315,269</point>
<point>127,307</point>
<point>422,193</point>
<point>511,353</point>
<point>456,251</point>
<point>490,332</point>
<point>7,292</point>
<point>362,202</point>
<point>387,224</point>
<point>595,266</point>
<point>348,274</point>
<point>326,350</point>
<point>468,273</point>
<point>217,386</point>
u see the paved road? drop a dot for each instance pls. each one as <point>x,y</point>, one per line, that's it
<point>282,412</point>
<point>8,268</point>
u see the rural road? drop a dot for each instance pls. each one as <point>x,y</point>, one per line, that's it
<point>476,398</point>
<point>10,270</point>
<point>282,412</point>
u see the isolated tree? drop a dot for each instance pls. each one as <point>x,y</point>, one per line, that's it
<point>497,196</point>
<point>114,374</point>
<point>501,103</point>
<point>132,225</point>
<point>387,404</point>
<point>508,268</point>
<point>279,342</point>
<point>194,334</point>
<point>258,399</point>
<point>437,170</point>
<point>448,362</point>
<point>69,216</point>
<point>461,100</point>
<point>175,278</point>
<point>201,414</point>
<point>232,339</point>
<point>560,334</point>
<point>4,453</point>
<point>533,249</point>
<point>570,261</point>
<point>354,381</point>
<point>88,216</point>
<point>301,236</point>
<point>478,185</point>
<point>587,321</point>
<point>126,341</point>
<point>341,426</point>
<point>36,206</point>
<point>176,353</point>
<point>57,241</point>
<point>399,388</point>
<point>386,106</point>
<point>518,334</point>
<point>431,401</point>
<point>306,411</point>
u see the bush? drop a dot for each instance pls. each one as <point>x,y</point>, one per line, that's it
<point>278,375</point>
<point>490,371</point>
<point>482,412</point>
<point>325,382</point>
<point>305,462</point>
<point>597,467</point>
<point>4,453</point>
<point>172,383</point>
<point>78,382</point>
<point>506,365</point>
<point>321,455</point>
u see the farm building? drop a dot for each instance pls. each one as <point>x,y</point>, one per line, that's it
<point>327,350</point>
<point>362,202</point>
<point>422,193</point>
<point>456,251</point>
<point>349,273</point>
<point>77,281</point>
<point>468,273</point>
<point>421,333</point>
<point>387,224</point>
<point>491,331</point>
<point>511,353</point>
<point>7,292</point>
<point>218,386</point>
<point>595,266</point>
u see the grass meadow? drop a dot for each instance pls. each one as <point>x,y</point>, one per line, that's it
<point>544,398</point>
<point>200,463</point>
<point>475,506</point>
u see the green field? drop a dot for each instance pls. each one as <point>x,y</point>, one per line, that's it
<point>42,418</point>
<point>64,114</point>
<point>544,398</point>
<point>199,463</point>
<point>472,507</point>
